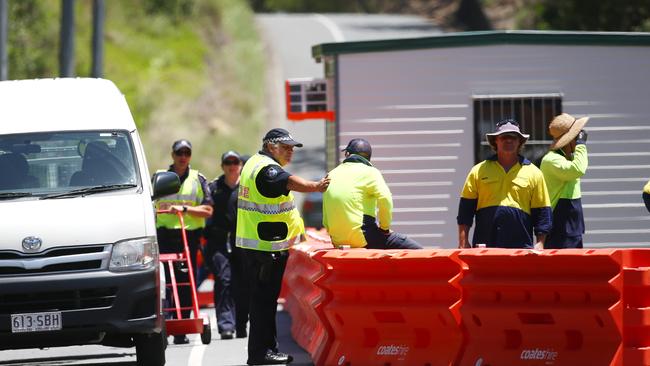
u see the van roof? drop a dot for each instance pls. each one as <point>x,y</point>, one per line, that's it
<point>62,104</point>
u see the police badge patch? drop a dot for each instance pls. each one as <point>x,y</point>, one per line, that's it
<point>271,172</point>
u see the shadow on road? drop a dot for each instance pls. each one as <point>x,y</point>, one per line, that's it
<point>288,345</point>
<point>65,359</point>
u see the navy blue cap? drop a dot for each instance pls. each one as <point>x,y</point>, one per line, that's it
<point>280,135</point>
<point>360,147</point>
<point>181,144</point>
<point>230,154</point>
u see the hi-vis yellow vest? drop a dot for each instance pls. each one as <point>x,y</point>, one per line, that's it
<point>253,208</point>
<point>190,194</point>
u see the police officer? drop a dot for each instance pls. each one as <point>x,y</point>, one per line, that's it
<point>268,224</point>
<point>194,201</point>
<point>231,302</point>
<point>358,196</point>
<point>563,166</point>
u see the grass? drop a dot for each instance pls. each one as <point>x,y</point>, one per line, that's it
<point>199,76</point>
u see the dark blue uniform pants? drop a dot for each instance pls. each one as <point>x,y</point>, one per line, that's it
<point>230,290</point>
<point>376,239</point>
<point>264,271</point>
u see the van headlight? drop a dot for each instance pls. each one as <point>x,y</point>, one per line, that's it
<point>134,255</point>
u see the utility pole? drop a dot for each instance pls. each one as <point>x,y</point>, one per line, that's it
<point>98,39</point>
<point>4,68</point>
<point>66,53</point>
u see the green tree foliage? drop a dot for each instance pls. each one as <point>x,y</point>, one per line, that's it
<point>32,39</point>
<point>590,15</point>
<point>175,9</point>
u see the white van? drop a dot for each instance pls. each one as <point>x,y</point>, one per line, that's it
<point>78,251</point>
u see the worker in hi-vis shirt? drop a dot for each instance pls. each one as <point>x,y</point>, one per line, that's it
<point>646,195</point>
<point>356,199</point>
<point>562,167</point>
<point>507,194</point>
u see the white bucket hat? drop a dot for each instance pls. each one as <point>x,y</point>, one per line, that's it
<point>506,126</point>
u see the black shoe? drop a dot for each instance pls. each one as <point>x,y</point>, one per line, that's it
<point>226,334</point>
<point>181,339</point>
<point>242,333</point>
<point>271,358</point>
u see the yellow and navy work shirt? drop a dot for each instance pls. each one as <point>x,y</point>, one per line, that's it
<point>356,189</point>
<point>508,205</point>
<point>267,218</point>
<point>646,196</point>
<point>562,178</point>
<point>194,191</point>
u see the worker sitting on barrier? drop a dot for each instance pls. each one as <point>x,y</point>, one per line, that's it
<point>356,193</point>
<point>508,195</point>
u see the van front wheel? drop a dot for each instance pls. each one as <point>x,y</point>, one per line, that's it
<point>150,349</point>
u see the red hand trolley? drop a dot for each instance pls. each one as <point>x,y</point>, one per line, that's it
<point>196,323</point>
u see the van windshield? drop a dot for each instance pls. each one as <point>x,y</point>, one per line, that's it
<point>56,162</point>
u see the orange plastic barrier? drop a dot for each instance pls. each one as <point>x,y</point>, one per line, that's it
<point>313,238</point>
<point>476,307</point>
<point>391,307</point>
<point>636,307</point>
<point>560,307</point>
<point>304,299</point>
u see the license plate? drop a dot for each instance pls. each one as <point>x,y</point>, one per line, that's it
<point>36,322</point>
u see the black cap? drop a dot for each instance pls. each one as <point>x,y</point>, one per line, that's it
<point>181,144</point>
<point>230,154</point>
<point>359,147</point>
<point>280,135</point>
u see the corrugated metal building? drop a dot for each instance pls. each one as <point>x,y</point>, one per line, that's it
<point>425,104</point>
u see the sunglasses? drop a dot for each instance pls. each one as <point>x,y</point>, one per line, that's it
<point>183,153</point>
<point>506,121</point>
<point>231,162</point>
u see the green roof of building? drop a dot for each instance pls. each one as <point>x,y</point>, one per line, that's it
<point>467,39</point>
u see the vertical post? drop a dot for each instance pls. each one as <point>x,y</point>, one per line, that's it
<point>66,52</point>
<point>4,68</point>
<point>98,39</point>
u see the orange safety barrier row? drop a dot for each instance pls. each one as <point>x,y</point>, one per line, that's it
<point>303,299</point>
<point>475,307</point>
<point>392,307</point>
<point>553,308</point>
<point>635,303</point>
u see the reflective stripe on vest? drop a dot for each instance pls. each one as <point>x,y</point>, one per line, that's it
<point>266,245</point>
<point>267,209</point>
<point>254,208</point>
<point>189,194</point>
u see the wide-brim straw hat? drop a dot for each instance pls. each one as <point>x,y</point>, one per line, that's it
<point>506,126</point>
<point>564,128</point>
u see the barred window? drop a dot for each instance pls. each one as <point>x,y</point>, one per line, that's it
<point>532,111</point>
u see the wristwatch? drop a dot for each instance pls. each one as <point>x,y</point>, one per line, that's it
<point>184,208</point>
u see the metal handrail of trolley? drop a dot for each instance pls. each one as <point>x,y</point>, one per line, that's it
<point>179,325</point>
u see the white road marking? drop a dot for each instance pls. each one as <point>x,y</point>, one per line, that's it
<point>331,27</point>
<point>198,348</point>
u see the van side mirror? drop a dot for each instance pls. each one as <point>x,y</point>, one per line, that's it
<point>165,183</point>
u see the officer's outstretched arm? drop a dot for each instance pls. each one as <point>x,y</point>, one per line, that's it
<point>298,184</point>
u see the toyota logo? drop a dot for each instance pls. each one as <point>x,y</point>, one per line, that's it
<point>32,244</point>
